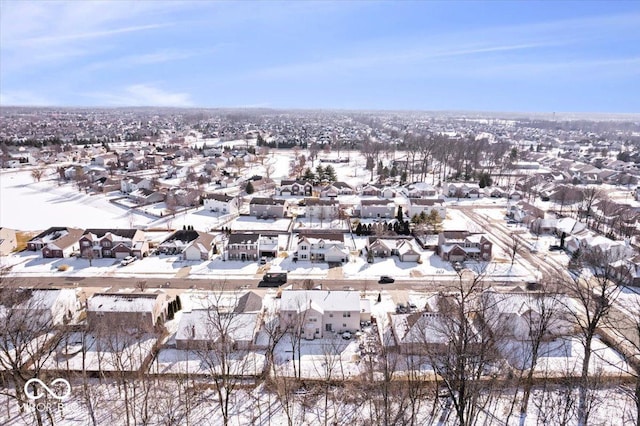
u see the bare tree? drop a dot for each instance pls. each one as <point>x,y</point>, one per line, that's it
<point>226,356</point>
<point>514,246</point>
<point>38,173</point>
<point>593,294</point>
<point>28,338</point>
<point>468,363</point>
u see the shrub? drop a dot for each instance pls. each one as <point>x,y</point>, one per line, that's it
<point>63,268</point>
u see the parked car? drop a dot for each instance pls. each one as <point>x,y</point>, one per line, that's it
<point>555,248</point>
<point>346,335</point>
<point>263,260</point>
<point>127,260</point>
<point>385,279</point>
<point>457,266</point>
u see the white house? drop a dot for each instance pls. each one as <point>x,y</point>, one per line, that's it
<point>204,328</point>
<point>322,248</point>
<point>315,313</point>
<point>221,203</point>
<point>377,208</point>
<point>426,205</point>
<point>47,306</point>
<point>326,209</point>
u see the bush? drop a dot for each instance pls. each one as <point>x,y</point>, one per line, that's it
<point>63,268</point>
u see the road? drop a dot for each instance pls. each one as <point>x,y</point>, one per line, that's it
<point>427,284</point>
<point>502,236</point>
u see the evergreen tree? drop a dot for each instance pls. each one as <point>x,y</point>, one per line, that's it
<point>330,173</point>
<point>320,173</point>
<point>403,178</point>
<point>407,229</point>
<point>249,189</point>
<point>400,215</point>
<point>394,171</point>
<point>309,176</point>
<point>359,229</point>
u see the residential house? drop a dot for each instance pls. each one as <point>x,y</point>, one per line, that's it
<point>420,190</point>
<point>184,197</point>
<point>296,188</point>
<point>322,248</point>
<point>104,160</point>
<point>47,307</point>
<point>207,328</point>
<point>426,205</point>
<point>518,315</point>
<point>627,271</point>
<point>319,208</point>
<point>113,243</point>
<point>146,196</point>
<point>336,188</point>
<point>371,190</point>
<point>140,311</point>
<point>8,241</point>
<point>317,313</point>
<point>262,207</point>
<point>221,203</point>
<point>191,244</point>
<point>462,190</point>
<point>421,332</point>
<point>105,184</point>
<point>401,247</point>
<point>243,246</point>
<point>56,242</point>
<point>268,245</point>
<point>202,248</point>
<point>130,184</point>
<point>458,246</point>
<point>378,208</point>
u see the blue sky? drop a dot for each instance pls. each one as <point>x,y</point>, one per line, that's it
<point>405,55</point>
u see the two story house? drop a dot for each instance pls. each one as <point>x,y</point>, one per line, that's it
<point>320,208</point>
<point>243,246</point>
<point>113,243</point>
<point>315,314</point>
<point>377,208</point>
<point>426,205</point>
<point>262,207</point>
<point>295,188</point>
<point>458,246</point>
<point>322,248</point>
<point>220,203</point>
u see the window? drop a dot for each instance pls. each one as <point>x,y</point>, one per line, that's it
<point>344,325</point>
<point>303,247</point>
<point>486,246</point>
<point>86,244</point>
<point>330,315</point>
<point>303,256</point>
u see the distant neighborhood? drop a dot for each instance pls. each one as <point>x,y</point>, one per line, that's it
<point>315,251</point>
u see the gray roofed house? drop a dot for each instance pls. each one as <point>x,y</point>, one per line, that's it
<point>262,207</point>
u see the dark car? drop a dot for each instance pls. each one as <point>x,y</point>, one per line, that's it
<point>385,279</point>
<point>555,248</point>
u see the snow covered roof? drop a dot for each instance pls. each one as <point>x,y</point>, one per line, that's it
<point>294,300</point>
<point>208,324</point>
<point>122,302</point>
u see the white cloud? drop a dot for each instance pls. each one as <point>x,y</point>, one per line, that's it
<point>142,95</point>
